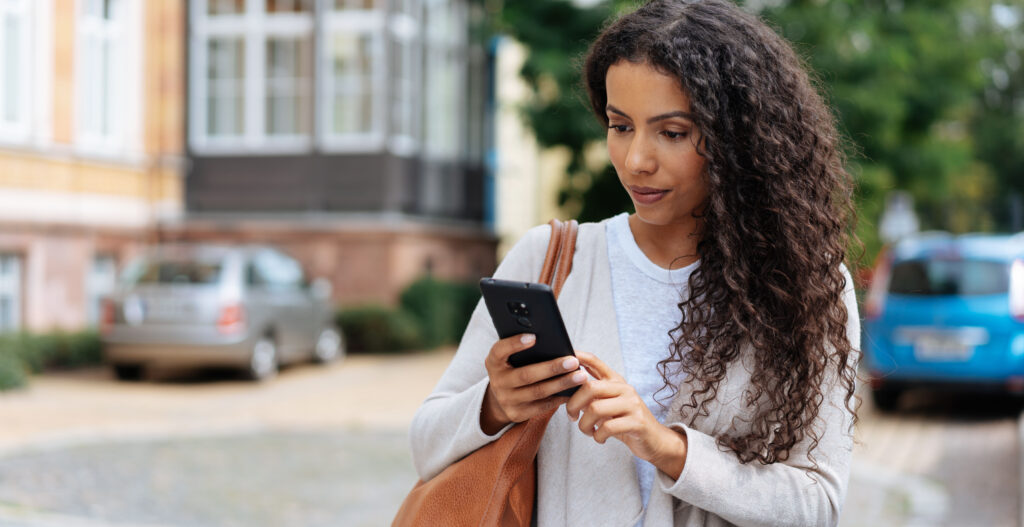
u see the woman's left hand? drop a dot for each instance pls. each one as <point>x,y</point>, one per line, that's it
<point>612,408</point>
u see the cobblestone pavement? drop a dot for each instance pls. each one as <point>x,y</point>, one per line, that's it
<point>941,460</point>
<point>348,477</point>
<point>315,446</point>
<point>328,446</point>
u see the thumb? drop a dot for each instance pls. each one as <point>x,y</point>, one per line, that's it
<point>595,366</point>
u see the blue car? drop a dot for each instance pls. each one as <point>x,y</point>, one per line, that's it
<point>946,311</point>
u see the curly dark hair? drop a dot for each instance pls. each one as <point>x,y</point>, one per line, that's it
<point>776,223</point>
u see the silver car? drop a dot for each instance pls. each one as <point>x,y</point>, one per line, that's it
<point>201,305</point>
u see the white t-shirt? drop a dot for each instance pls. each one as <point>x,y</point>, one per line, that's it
<point>645,297</point>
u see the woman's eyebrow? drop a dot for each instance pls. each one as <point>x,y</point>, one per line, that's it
<point>656,118</point>
<point>669,115</point>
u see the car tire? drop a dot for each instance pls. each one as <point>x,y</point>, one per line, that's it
<point>886,399</point>
<point>128,372</point>
<point>330,346</point>
<point>264,361</point>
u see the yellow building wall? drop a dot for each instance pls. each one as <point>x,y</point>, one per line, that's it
<point>63,71</point>
<point>70,204</point>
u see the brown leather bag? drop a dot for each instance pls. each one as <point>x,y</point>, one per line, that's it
<point>495,484</point>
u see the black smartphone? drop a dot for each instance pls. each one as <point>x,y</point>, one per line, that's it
<point>525,307</point>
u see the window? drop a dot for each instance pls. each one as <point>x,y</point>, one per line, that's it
<point>252,76</point>
<point>405,47</point>
<point>108,75</point>
<point>289,84</point>
<point>275,270</point>
<point>353,75</point>
<point>10,293</point>
<point>445,45</point>
<point>949,277</point>
<point>226,87</point>
<point>14,69</point>
<point>99,283</point>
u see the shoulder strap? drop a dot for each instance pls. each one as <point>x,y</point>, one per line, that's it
<point>561,248</point>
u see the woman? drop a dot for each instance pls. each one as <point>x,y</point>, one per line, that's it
<point>717,323</point>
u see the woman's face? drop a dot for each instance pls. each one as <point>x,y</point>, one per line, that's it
<point>652,144</point>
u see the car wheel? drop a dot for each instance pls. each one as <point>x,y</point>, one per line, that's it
<point>263,362</point>
<point>330,346</point>
<point>128,372</point>
<point>886,399</point>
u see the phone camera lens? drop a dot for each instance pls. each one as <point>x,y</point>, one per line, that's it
<point>518,309</point>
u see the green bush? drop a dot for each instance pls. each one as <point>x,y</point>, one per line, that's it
<point>442,309</point>
<point>379,328</point>
<point>75,350</point>
<point>38,352</point>
<point>12,370</point>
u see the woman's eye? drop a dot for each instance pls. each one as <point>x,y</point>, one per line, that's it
<point>675,135</point>
<point>620,128</point>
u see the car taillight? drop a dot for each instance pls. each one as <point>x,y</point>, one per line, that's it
<point>1017,290</point>
<point>874,305</point>
<point>108,316</point>
<point>232,319</point>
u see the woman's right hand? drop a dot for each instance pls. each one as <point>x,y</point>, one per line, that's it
<point>515,395</point>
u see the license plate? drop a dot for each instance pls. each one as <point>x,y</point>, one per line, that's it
<point>941,348</point>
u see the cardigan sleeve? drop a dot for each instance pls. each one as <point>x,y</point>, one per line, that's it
<point>446,427</point>
<point>803,490</point>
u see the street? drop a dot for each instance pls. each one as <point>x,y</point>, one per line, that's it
<point>943,459</point>
<point>327,446</point>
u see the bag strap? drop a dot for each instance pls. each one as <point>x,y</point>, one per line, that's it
<point>561,248</point>
<point>521,443</point>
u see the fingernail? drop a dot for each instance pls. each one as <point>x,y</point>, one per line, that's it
<point>578,377</point>
<point>528,338</point>
<point>570,364</point>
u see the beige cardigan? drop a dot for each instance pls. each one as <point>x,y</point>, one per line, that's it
<point>583,483</point>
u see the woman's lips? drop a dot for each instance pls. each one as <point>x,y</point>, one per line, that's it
<point>647,195</point>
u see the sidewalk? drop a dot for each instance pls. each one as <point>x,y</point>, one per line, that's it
<point>328,442</point>
<point>82,450</point>
<point>372,391</point>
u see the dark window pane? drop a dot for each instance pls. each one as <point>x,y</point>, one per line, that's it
<point>225,7</point>
<point>179,273</point>
<point>289,6</point>
<point>949,277</point>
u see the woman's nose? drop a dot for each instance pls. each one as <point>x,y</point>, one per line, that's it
<point>640,157</point>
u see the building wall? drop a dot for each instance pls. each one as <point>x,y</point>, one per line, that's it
<point>527,177</point>
<point>367,261</point>
<point>64,201</point>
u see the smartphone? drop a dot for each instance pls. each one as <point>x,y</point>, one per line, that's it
<point>525,307</point>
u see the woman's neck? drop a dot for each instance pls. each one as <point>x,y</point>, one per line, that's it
<point>668,246</point>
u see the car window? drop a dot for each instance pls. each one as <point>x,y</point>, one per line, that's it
<point>174,272</point>
<point>273,269</point>
<point>949,277</point>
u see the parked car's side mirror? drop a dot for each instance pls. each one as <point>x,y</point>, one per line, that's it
<point>321,289</point>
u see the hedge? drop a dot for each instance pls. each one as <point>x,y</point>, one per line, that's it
<point>21,353</point>
<point>379,328</point>
<point>431,313</point>
<point>442,309</point>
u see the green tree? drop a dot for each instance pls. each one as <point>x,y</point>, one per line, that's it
<point>915,86</point>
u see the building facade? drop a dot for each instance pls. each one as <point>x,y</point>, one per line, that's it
<point>91,149</point>
<point>352,133</point>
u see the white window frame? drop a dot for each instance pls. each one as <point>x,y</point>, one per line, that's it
<point>99,285</point>
<point>18,129</point>
<point>10,287</point>
<point>366,21</point>
<point>405,37</point>
<point>124,109</point>
<point>443,51</point>
<point>255,26</point>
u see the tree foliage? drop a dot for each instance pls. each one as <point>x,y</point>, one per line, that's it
<point>928,93</point>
